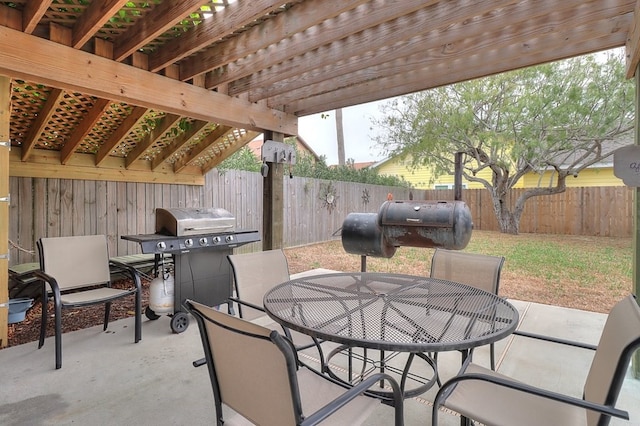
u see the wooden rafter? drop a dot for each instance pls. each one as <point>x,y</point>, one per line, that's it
<point>409,30</point>
<point>160,19</point>
<point>198,149</point>
<point>438,73</point>
<point>83,129</point>
<point>240,142</point>
<point>40,122</point>
<point>234,16</point>
<point>297,19</point>
<point>181,141</point>
<point>419,49</point>
<point>121,132</point>
<point>93,19</point>
<point>33,13</point>
<point>351,22</point>
<point>150,138</point>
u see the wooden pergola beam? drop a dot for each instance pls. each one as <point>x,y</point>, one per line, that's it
<point>5,146</point>
<point>93,75</point>
<point>632,45</point>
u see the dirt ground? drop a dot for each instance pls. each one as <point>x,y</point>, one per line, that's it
<point>302,259</point>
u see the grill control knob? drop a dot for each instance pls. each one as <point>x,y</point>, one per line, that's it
<point>188,242</point>
<point>203,241</point>
<point>228,238</point>
<point>161,245</point>
<point>216,240</point>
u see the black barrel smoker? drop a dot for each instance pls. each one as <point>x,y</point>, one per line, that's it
<point>445,224</point>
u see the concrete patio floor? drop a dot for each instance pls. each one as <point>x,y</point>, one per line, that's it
<point>106,379</point>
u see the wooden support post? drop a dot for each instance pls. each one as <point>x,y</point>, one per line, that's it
<point>636,223</point>
<point>5,145</point>
<point>457,177</point>
<point>273,201</point>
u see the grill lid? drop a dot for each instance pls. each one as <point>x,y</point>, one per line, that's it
<point>193,221</point>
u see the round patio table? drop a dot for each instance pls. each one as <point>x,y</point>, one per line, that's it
<point>391,312</point>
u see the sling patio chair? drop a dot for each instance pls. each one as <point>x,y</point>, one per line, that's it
<point>493,399</point>
<point>477,270</point>
<point>254,274</point>
<point>76,273</point>
<point>254,371</point>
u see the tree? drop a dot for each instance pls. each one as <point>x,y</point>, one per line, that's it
<point>560,117</point>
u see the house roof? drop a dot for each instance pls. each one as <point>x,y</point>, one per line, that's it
<point>256,147</point>
<point>165,90</point>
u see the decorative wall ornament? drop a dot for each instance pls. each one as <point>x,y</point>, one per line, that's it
<point>365,196</point>
<point>328,196</point>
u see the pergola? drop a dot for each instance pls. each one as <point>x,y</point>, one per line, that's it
<point>164,90</point>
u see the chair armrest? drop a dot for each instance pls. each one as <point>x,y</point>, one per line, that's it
<point>38,274</point>
<point>555,340</point>
<point>245,303</point>
<point>444,391</point>
<point>359,389</point>
<point>135,274</point>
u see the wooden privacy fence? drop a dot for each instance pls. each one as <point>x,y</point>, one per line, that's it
<point>596,211</point>
<point>58,207</point>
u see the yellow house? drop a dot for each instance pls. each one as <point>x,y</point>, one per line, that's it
<point>599,174</point>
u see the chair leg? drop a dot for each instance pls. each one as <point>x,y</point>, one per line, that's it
<point>138,325</point>
<point>107,311</point>
<point>43,321</point>
<point>58,331</point>
<point>493,356</point>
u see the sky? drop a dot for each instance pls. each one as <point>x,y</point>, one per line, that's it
<point>320,133</point>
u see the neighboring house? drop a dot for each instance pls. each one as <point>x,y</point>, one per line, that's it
<point>598,174</point>
<point>256,145</point>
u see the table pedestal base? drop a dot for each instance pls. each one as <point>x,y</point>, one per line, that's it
<point>368,365</point>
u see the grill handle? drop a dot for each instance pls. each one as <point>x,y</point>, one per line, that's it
<point>207,228</point>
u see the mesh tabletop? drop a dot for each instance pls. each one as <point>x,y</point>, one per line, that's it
<point>391,311</point>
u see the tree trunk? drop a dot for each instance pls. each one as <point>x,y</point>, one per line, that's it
<point>509,222</point>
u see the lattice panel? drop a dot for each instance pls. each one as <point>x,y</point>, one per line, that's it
<point>252,24</point>
<point>110,120</point>
<point>186,150</point>
<point>70,110</point>
<point>230,139</point>
<point>137,133</point>
<point>65,12</point>
<point>27,99</point>
<point>169,136</point>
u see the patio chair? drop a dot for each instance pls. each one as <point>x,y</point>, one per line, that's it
<point>254,274</point>
<point>477,270</point>
<point>494,399</point>
<point>254,371</point>
<point>75,271</point>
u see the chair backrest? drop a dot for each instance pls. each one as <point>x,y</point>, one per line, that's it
<point>477,270</point>
<point>256,273</point>
<point>75,262</point>
<point>252,368</point>
<point>619,340</point>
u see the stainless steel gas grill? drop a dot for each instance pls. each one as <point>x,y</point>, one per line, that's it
<point>199,240</point>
